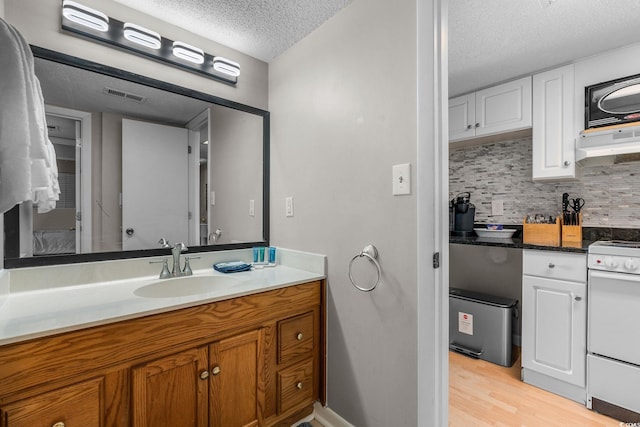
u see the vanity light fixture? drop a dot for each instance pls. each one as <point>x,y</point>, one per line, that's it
<point>226,66</point>
<point>188,52</point>
<point>85,16</point>
<point>142,36</point>
<point>94,25</point>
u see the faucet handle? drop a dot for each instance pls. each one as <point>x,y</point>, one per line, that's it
<point>164,243</point>
<point>165,268</point>
<point>187,268</point>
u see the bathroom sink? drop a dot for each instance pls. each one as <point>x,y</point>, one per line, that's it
<point>183,286</point>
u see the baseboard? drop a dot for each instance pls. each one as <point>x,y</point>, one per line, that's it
<point>328,418</point>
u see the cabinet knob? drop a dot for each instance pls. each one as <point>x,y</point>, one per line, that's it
<point>578,298</point>
<point>58,424</point>
<point>477,125</point>
<point>551,265</point>
<point>299,385</point>
<point>469,126</point>
<point>567,163</point>
<point>204,375</point>
<point>216,370</point>
<point>299,336</point>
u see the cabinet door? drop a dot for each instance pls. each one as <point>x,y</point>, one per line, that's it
<point>171,391</point>
<point>554,319</point>
<point>503,108</point>
<point>77,405</point>
<point>553,138</point>
<point>237,386</point>
<point>462,117</point>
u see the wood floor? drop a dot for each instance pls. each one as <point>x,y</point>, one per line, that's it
<point>486,394</point>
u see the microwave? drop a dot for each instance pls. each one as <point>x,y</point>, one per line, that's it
<point>613,102</point>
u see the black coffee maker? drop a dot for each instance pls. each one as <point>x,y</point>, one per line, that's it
<point>461,215</point>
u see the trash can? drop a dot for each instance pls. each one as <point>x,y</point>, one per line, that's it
<point>480,325</point>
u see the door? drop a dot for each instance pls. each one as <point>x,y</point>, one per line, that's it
<point>462,117</point>
<point>236,382</point>
<point>614,305</point>
<point>553,139</point>
<point>502,108</point>
<point>154,169</point>
<point>554,328</point>
<point>171,391</point>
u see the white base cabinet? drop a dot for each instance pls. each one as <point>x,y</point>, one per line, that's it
<point>554,322</point>
<point>553,137</point>
<point>498,109</point>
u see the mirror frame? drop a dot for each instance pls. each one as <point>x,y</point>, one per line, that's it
<point>11,218</point>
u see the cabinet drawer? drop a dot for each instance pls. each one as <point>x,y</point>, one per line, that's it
<point>295,337</point>
<point>555,265</point>
<point>76,405</point>
<point>295,385</point>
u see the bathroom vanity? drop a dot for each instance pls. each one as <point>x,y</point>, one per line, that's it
<point>254,358</point>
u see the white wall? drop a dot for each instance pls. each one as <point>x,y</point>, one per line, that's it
<point>343,106</point>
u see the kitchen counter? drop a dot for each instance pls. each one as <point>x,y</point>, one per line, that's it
<point>516,242</point>
<point>43,301</point>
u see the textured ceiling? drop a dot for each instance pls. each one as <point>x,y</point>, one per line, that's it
<point>260,28</point>
<point>495,40</point>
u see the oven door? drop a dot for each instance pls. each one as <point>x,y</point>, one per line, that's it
<point>614,315</point>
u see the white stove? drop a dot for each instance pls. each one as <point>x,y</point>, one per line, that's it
<point>615,255</point>
<point>613,330</point>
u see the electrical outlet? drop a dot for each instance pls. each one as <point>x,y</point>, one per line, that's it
<point>288,204</point>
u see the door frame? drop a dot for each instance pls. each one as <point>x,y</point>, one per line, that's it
<point>84,227</point>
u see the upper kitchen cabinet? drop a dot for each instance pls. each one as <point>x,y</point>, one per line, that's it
<point>553,144</point>
<point>498,109</point>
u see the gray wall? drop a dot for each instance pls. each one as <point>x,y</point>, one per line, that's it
<point>502,171</point>
<point>340,120</point>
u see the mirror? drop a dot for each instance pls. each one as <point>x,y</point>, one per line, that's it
<point>140,160</point>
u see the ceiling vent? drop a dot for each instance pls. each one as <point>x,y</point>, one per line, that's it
<point>123,94</point>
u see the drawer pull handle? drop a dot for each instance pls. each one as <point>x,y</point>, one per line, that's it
<point>551,265</point>
<point>299,385</point>
<point>216,370</point>
<point>578,298</point>
<point>58,424</point>
<point>299,336</point>
<point>204,375</point>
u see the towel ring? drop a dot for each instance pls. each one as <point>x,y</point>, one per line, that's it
<point>370,252</point>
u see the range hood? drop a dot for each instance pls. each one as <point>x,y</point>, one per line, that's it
<point>608,145</point>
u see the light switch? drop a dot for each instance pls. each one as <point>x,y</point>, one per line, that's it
<point>401,179</point>
<point>288,205</point>
<point>212,199</point>
<point>252,207</point>
<point>497,207</point>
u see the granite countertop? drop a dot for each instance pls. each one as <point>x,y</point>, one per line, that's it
<point>516,242</point>
<point>41,301</point>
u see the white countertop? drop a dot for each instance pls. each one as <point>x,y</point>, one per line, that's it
<point>32,306</point>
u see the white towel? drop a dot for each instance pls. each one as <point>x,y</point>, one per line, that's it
<point>28,168</point>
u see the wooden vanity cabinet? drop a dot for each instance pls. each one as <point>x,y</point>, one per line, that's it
<point>248,361</point>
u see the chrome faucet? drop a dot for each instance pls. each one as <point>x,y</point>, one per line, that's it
<point>176,250</point>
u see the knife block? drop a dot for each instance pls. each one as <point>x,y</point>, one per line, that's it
<point>541,234</point>
<point>572,234</point>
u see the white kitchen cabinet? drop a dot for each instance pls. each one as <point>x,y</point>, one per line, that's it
<point>554,322</point>
<point>553,137</point>
<point>498,109</point>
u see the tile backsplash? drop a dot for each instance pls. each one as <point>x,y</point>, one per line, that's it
<point>502,171</point>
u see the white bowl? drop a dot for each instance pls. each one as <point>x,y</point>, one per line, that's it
<point>496,234</point>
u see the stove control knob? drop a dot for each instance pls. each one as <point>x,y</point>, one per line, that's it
<point>610,262</point>
<point>631,264</point>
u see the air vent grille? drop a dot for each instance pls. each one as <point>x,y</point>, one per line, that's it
<point>123,94</point>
